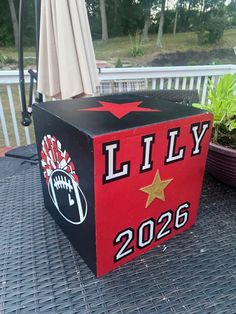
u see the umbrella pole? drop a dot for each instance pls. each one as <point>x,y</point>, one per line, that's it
<point>37,7</point>
<point>37,21</point>
<point>26,119</point>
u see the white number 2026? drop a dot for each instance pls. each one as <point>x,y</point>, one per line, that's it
<point>144,239</point>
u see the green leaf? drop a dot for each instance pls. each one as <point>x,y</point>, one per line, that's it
<point>222,102</point>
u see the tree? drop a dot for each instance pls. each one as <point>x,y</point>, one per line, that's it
<point>146,27</point>
<point>94,15</point>
<point>114,17</point>
<point>161,25</point>
<point>147,16</point>
<point>124,17</point>
<point>104,20</point>
<point>6,32</point>
<point>9,28</point>
<point>132,17</point>
<point>14,22</point>
<point>176,18</point>
<point>231,11</point>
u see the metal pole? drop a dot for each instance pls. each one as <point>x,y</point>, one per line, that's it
<point>37,8</point>
<point>26,119</point>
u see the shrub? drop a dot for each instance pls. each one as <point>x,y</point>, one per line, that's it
<point>119,63</point>
<point>212,30</point>
<point>203,37</point>
<point>216,27</point>
<point>136,45</point>
<point>6,36</point>
<point>6,60</point>
<point>3,58</point>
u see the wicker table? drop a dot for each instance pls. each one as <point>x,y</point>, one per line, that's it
<point>40,272</point>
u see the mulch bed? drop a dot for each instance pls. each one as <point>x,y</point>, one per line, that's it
<point>190,57</point>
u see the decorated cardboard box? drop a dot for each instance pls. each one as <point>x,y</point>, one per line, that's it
<point>121,174</point>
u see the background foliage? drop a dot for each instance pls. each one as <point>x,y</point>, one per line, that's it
<point>128,16</point>
<point>6,28</point>
<point>125,17</point>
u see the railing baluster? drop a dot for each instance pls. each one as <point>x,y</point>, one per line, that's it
<point>161,83</point>
<point>191,83</point>
<point>177,83</point>
<point>129,87</point>
<point>217,79</point>
<point>169,83</point>
<point>120,87</point>
<point>184,83</point>
<point>199,84</point>
<point>4,125</point>
<point>146,84</point>
<point>26,129</point>
<point>204,91</point>
<point>154,83</point>
<point>13,114</point>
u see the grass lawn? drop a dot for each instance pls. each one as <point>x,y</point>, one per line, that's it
<point>111,51</point>
<point>119,47</point>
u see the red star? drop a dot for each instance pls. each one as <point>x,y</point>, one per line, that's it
<point>120,110</point>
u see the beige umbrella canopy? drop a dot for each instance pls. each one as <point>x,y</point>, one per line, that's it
<point>67,65</point>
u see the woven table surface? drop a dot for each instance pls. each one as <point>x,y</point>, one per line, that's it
<point>40,272</point>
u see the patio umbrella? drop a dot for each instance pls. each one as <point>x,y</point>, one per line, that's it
<point>67,65</point>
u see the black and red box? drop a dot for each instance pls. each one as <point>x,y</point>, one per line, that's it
<point>122,173</point>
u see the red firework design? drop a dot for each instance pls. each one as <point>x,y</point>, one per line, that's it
<point>54,157</point>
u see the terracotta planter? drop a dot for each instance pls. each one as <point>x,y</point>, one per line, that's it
<point>221,163</point>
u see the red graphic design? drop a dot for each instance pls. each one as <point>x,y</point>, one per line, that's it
<point>54,157</point>
<point>120,110</point>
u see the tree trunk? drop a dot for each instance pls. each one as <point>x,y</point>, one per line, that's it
<point>104,20</point>
<point>161,25</point>
<point>176,19</point>
<point>203,6</point>
<point>189,7</point>
<point>14,22</point>
<point>115,11</point>
<point>145,28</point>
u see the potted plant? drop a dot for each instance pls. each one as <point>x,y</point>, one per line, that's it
<point>221,161</point>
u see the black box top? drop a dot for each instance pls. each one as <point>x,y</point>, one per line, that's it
<point>107,114</point>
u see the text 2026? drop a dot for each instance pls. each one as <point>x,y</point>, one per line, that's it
<point>150,230</point>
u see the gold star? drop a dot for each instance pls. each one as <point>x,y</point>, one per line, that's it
<point>156,189</point>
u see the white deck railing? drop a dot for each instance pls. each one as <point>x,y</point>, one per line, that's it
<point>112,80</point>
